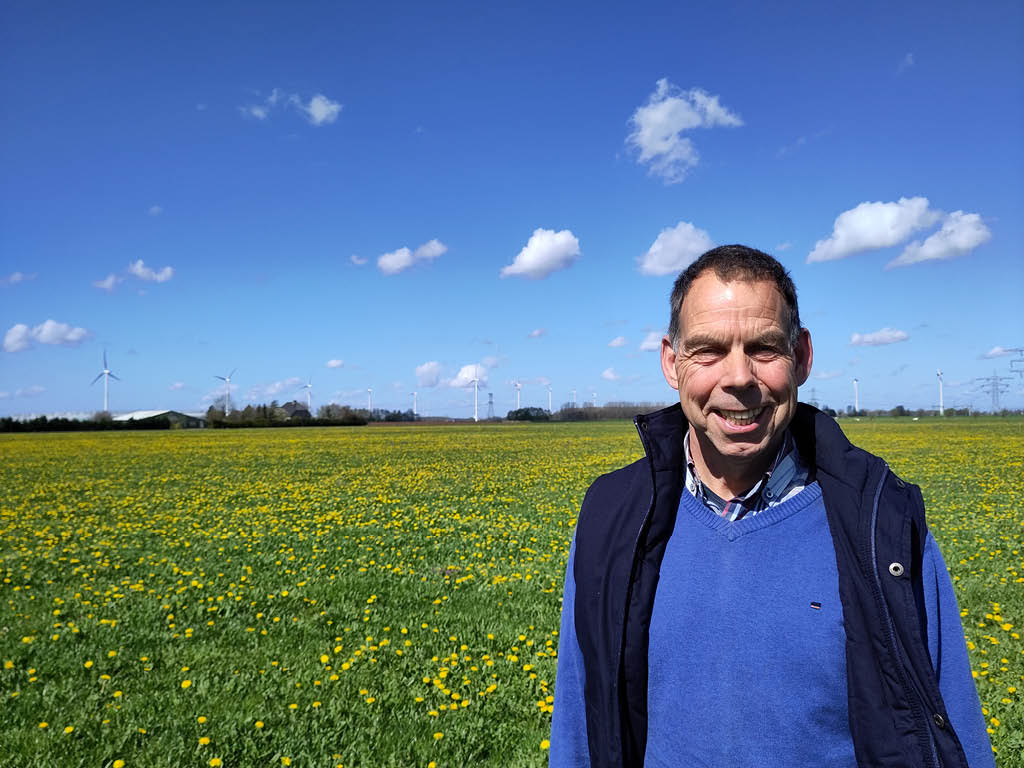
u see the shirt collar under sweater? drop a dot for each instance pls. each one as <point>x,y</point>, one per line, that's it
<point>786,476</point>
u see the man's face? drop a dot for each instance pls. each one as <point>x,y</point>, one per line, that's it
<point>735,370</point>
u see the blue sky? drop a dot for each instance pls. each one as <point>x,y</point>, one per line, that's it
<point>378,196</point>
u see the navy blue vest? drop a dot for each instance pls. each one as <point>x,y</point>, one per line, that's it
<point>897,717</point>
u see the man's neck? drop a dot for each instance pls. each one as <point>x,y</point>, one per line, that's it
<point>728,477</point>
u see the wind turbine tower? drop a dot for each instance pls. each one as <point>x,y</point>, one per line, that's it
<point>308,386</point>
<point>369,399</point>
<point>518,388</point>
<point>594,395</point>
<point>476,389</point>
<point>856,398</point>
<point>414,411</point>
<point>574,398</point>
<point>549,398</point>
<point>938,373</point>
<point>490,406</point>
<point>106,374</point>
<point>227,389</point>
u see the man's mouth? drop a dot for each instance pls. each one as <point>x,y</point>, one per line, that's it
<point>740,418</point>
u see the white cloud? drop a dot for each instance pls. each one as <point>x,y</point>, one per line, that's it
<point>674,249</point>
<point>141,271</point>
<point>618,341</point>
<point>20,336</point>
<point>826,375</point>
<point>155,210</point>
<point>16,277</point>
<point>397,261</point>
<point>998,352</point>
<point>335,363</point>
<point>874,225</point>
<point>545,252</point>
<point>906,63</point>
<point>490,361</point>
<point>651,342</point>
<point>284,385</point>
<point>536,333</point>
<point>107,283</point>
<point>176,386</point>
<point>428,374</point>
<point>357,260</point>
<point>320,110</point>
<point>609,374</point>
<point>658,127</point>
<point>878,338</point>
<point>784,246</point>
<point>960,233</point>
<point>466,374</point>
<point>30,391</point>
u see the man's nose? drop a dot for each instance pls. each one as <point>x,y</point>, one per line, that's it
<point>738,372</point>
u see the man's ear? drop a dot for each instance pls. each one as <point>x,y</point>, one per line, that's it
<point>668,363</point>
<point>803,356</point>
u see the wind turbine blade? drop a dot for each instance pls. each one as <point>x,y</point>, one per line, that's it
<point>114,377</point>
<point>104,358</point>
<point>220,377</point>
<point>98,377</point>
<point>232,372</point>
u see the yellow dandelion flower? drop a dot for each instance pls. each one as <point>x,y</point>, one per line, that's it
<point>44,724</point>
<point>70,728</point>
<point>119,764</point>
<point>544,744</point>
<point>438,736</point>
<point>87,665</point>
<point>215,762</point>
<point>204,740</point>
<point>186,683</point>
<point>201,719</point>
<point>286,761</point>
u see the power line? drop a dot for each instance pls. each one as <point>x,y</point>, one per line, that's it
<point>994,385</point>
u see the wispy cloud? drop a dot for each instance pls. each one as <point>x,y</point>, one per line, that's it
<point>398,261</point>
<point>271,390</point>
<point>30,391</point>
<point>674,248</point>
<point>318,110</point>
<point>827,375</point>
<point>783,246</point>
<point>176,386</point>
<point>800,141</point>
<point>609,374</point>
<point>618,341</point>
<point>428,374</point>
<point>141,271</point>
<point>108,283</point>
<point>651,342</point>
<point>878,338</point>
<point>545,252</point>
<point>357,260</point>
<point>657,128</point>
<point>960,234</point>
<point>17,277</point>
<point>536,333</point>
<point>905,63</point>
<point>155,210</point>
<point>335,363</point>
<point>998,352</point>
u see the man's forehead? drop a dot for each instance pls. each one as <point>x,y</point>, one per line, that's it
<point>710,294</point>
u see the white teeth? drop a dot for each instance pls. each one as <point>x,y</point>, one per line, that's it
<point>741,418</point>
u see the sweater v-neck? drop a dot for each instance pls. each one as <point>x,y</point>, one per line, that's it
<point>732,530</point>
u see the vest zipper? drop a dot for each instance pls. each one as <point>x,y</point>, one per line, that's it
<point>880,598</point>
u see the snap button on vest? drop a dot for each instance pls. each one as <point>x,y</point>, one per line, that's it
<point>896,569</point>
<point>939,720</point>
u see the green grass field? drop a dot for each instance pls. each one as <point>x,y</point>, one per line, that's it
<point>373,596</point>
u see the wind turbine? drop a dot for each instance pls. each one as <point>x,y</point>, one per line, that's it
<point>518,388</point>
<point>308,386</point>
<point>106,374</point>
<point>594,395</point>
<point>476,386</point>
<point>369,399</point>
<point>574,398</point>
<point>549,398</point>
<point>414,403</point>
<point>227,385</point>
<point>938,373</point>
<point>856,398</point>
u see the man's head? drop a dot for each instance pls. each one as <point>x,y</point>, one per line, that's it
<point>736,353</point>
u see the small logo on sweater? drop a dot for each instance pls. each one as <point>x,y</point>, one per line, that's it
<point>816,606</point>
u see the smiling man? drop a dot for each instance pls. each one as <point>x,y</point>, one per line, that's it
<point>756,590</point>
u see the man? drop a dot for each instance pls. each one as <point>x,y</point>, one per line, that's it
<point>756,591</point>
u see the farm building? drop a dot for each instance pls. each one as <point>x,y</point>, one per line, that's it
<point>178,419</point>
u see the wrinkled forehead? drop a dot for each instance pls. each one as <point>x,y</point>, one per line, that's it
<point>712,301</point>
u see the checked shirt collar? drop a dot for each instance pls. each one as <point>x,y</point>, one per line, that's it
<point>786,476</point>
